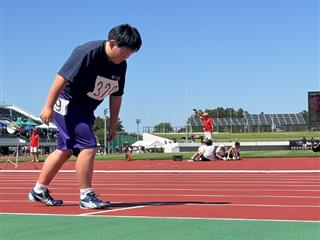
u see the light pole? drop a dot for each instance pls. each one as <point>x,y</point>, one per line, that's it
<point>105,111</point>
<point>138,121</point>
<point>217,121</point>
<point>230,121</point>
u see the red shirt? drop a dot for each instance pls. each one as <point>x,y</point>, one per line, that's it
<point>208,123</point>
<point>34,140</point>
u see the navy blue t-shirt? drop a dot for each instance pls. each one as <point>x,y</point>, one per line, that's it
<point>91,76</point>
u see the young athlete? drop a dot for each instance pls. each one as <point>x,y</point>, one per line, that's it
<point>221,152</point>
<point>205,152</point>
<point>198,153</point>
<point>94,71</point>
<point>234,152</point>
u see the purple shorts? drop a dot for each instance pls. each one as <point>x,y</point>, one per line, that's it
<point>75,131</point>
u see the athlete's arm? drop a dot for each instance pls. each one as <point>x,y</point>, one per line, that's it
<point>58,85</point>
<point>114,105</point>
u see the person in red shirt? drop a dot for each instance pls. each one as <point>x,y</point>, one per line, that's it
<point>34,145</point>
<point>208,124</point>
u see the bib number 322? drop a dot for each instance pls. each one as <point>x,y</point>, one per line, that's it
<point>103,87</point>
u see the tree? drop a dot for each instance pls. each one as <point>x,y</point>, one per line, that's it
<point>305,115</point>
<point>163,127</point>
<point>221,112</point>
<point>98,128</point>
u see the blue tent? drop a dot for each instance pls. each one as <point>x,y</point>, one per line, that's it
<point>28,127</point>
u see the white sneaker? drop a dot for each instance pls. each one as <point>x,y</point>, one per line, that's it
<point>91,201</point>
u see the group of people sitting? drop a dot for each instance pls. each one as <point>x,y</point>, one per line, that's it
<point>208,152</point>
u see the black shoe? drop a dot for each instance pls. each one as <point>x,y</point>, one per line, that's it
<point>44,198</point>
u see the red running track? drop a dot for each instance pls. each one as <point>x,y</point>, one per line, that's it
<point>283,195</point>
<point>245,164</point>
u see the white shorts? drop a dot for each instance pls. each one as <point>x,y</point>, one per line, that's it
<point>34,149</point>
<point>208,135</point>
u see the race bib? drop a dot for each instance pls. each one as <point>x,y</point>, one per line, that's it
<point>103,87</point>
<point>61,106</point>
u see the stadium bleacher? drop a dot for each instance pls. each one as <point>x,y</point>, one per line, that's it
<point>252,120</point>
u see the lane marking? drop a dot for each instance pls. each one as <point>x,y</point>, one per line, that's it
<point>177,189</point>
<point>173,171</point>
<point>169,218</point>
<point>179,195</point>
<point>182,203</point>
<point>112,210</point>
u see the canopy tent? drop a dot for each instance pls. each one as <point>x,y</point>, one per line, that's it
<point>2,125</point>
<point>28,127</point>
<point>19,122</point>
<point>11,127</point>
<point>45,126</point>
<point>148,144</point>
<point>29,122</point>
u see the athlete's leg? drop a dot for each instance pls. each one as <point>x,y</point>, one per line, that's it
<point>50,168</point>
<point>52,165</point>
<point>84,167</point>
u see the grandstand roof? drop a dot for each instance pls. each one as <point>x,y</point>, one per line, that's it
<point>13,113</point>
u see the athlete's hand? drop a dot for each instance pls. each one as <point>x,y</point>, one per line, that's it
<point>111,133</point>
<point>46,115</point>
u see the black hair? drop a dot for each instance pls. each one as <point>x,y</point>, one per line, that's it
<point>209,142</point>
<point>126,36</point>
<point>237,144</point>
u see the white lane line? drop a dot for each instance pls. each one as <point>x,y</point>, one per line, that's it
<point>182,203</point>
<point>123,209</point>
<point>176,189</point>
<point>111,210</point>
<point>170,218</point>
<point>173,171</point>
<point>182,195</point>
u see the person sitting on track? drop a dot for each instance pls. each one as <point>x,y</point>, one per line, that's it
<point>198,153</point>
<point>207,152</point>
<point>221,152</point>
<point>315,147</point>
<point>234,152</point>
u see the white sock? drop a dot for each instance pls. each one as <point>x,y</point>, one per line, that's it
<point>84,192</point>
<point>40,188</point>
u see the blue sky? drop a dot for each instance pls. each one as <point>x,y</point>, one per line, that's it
<point>259,55</point>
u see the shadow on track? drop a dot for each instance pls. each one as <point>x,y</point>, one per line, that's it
<point>135,204</point>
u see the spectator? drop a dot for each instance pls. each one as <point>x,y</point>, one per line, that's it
<point>127,153</point>
<point>315,146</point>
<point>34,145</point>
<point>304,143</point>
